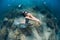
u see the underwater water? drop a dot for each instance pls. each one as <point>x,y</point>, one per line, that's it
<point>47,11</point>
<point>53,5</point>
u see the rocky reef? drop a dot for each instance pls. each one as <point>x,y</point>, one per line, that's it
<point>48,29</point>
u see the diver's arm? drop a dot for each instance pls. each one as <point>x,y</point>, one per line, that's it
<point>33,19</point>
<point>30,18</point>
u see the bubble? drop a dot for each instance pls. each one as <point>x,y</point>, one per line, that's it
<point>19,5</point>
<point>9,4</point>
<point>44,2</point>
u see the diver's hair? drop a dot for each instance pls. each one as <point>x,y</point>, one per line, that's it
<point>24,13</point>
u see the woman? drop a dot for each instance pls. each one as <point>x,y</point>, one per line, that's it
<point>29,16</point>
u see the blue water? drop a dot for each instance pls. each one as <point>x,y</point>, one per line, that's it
<point>53,5</point>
